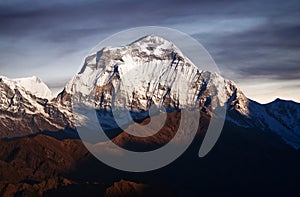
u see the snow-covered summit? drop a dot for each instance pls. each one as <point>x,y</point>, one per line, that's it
<point>32,84</point>
<point>149,71</point>
<point>26,108</point>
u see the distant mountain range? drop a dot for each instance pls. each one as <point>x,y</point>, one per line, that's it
<point>149,72</point>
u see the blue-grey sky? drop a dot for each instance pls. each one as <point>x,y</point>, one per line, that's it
<point>255,43</point>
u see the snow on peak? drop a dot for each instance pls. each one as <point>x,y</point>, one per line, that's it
<point>154,45</point>
<point>152,39</point>
<point>32,84</point>
<point>149,70</point>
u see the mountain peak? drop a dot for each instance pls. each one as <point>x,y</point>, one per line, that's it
<point>142,51</point>
<point>152,38</point>
<point>36,79</point>
<point>283,100</point>
<point>154,43</point>
<point>151,70</point>
<point>33,84</point>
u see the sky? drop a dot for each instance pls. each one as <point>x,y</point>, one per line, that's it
<point>254,43</point>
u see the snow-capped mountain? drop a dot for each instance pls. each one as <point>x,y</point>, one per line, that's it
<point>280,116</point>
<point>34,85</point>
<point>25,108</point>
<point>152,70</point>
<point>149,71</point>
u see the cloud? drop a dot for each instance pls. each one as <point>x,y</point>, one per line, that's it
<point>269,50</point>
<point>248,39</point>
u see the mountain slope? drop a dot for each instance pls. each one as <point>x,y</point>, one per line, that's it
<point>24,111</point>
<point>280,117</point>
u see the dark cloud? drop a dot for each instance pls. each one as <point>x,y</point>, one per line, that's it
<point>23,17</point>
<point>256,39</point>
<point>271,50</point>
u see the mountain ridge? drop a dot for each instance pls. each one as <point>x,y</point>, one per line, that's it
<point>165,73</point>
<point>40,155</point>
